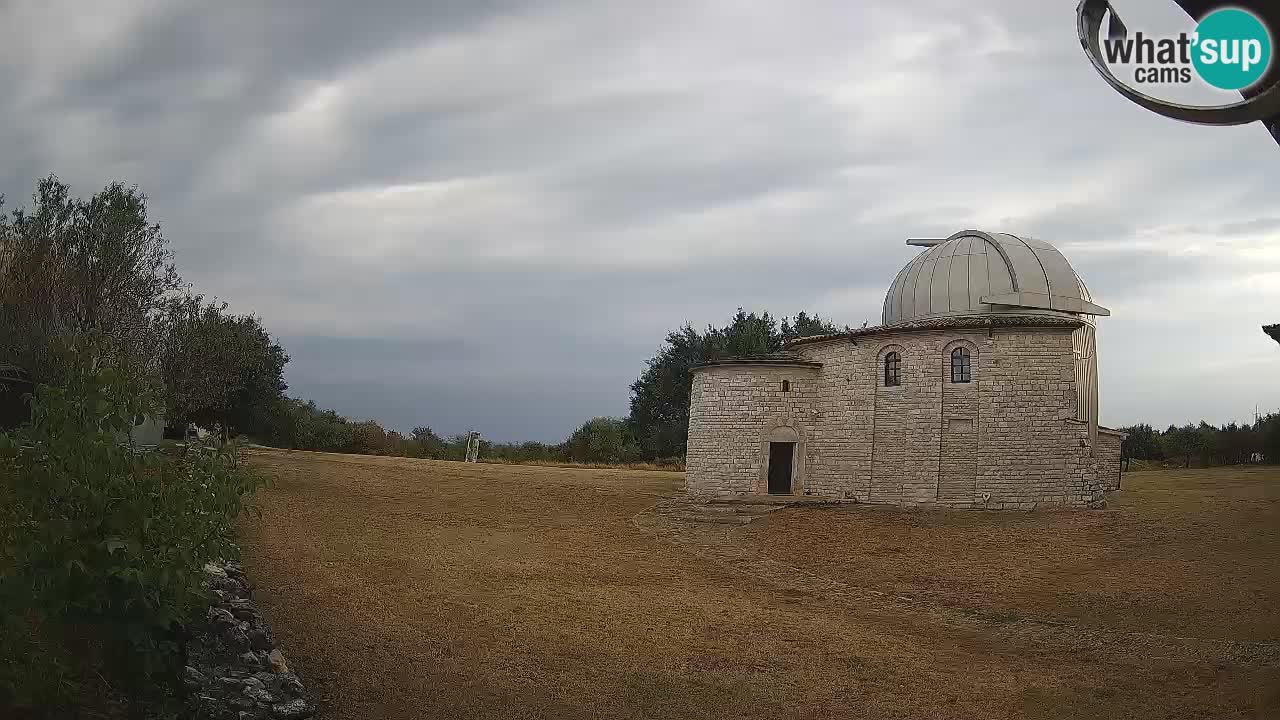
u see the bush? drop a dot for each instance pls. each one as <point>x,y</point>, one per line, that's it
<point>601,440</point>
<point>103,543</point>
<point>367,438</point>
<point>300,425</point>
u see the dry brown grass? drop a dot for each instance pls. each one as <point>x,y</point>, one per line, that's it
<point>1186,552</point>
<point>587,466</point>
<point>414,589</point>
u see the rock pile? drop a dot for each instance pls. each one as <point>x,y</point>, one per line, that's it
<point>234,669</point>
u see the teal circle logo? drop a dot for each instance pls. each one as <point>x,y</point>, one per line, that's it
<point>1232,49</point>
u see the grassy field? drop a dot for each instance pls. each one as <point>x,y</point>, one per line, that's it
<point>417,589</point>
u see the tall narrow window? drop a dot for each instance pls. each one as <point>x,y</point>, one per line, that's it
<point>892,369</point>
<point>786,386</point>
<point>961,366</point>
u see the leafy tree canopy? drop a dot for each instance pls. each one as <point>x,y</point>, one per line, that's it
<point>71,267</point>
<point>600,439</point>
<point>659,419</point>
<point>219,369</point>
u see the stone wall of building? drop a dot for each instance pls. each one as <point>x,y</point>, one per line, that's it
<point>839,458</point>
<point>733,411</point>
<point>959,427</point>
<point>1033,451</point>
<point>1008,439</point>
<point>1109,458</point>
<point>905,436</point>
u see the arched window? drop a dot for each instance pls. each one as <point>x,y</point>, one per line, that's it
<point>961,365</point>
<point>786,386</point>
<point>892,369</point>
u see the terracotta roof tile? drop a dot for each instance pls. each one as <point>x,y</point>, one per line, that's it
<point>945,323</point>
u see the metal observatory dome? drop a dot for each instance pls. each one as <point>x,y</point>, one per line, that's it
<point>981,273</point>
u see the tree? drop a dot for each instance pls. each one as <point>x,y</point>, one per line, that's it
<point>76,267</point>
<point>659,418</point>
<point>599,440</point>
<point>1142,442</point>
<point>746,335</point>
<point>1206,443</point>
<point>219,369</point>
<point>805,325</point>
<point>394,445</point>
<point>1183,442</point>
<point>1270,437</point>
<point>660,397</point>
<point>301,425</point>
<point>367,438</point>
<point>428,441</point>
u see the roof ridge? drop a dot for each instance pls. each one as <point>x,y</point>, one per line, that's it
<point>944,322</point>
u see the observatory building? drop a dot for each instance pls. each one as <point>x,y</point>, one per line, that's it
<point>979,390</point>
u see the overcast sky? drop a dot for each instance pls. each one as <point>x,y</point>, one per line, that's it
<point>488,214</point>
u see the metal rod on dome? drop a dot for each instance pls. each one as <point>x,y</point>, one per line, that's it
<point>925,242</point>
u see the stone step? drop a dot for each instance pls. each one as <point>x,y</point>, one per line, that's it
<point>779,500</point>
<point>736,508</point>
<point>758,509</point>
<point>714,518</point>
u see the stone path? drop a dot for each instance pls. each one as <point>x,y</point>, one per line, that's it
<point>710,530</point>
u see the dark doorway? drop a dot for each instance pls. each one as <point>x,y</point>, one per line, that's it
<point>780,454</point>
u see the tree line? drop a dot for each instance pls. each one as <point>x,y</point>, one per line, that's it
<point>654,432</point>
<point>302,425</point>
<point>1204,444</point>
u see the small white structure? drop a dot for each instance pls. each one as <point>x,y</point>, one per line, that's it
<point>149,432</point>
<point>473,446</point>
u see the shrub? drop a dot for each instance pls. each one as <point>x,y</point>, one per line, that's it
<point>102,541</point>
<point>367,438</point>
<point>599,440</point>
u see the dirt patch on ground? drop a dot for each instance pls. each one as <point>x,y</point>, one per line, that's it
<point>680,521</point>
<point>409,589</point>
<point>1188,553</point>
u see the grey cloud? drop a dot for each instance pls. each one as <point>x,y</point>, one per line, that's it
<point>1256,226</point>
<point>1129,273</point>
<point>1249,227</point>
<point>618,169</point>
